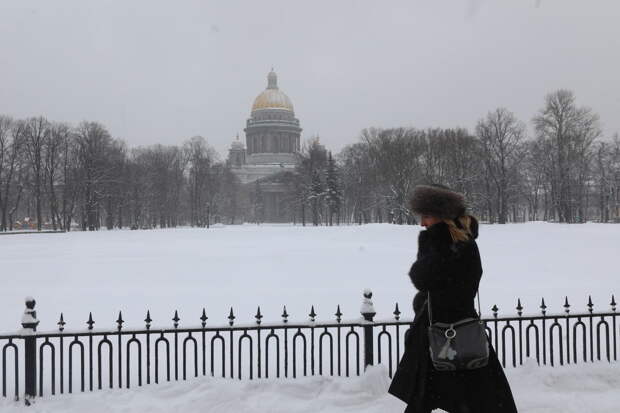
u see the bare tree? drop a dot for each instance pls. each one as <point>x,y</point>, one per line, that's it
<point>533,177</point>
<point>568,132</point>
<point>93,146</point>
<point>228,199</point>
<point>614,172</point>
<point>308,185</point>
<point>37,130</point>
<point>136,189</point>
<point>333,196</point>
<point>606,170</point>
<point>113,186</point>
<point>11,144</point>
<point>500,135</point>
<point>70,180</point>
<point>52,158</point>
<point>359,183</point>
<point>163,168</point>
<point>397,156</point>
<point>200,159</point>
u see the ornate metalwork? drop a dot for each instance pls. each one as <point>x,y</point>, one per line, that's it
<point>106,358</point>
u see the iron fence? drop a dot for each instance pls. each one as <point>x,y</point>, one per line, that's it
<point>66,361</point>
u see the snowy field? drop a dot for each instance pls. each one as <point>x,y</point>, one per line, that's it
<point>271,266</point>
<point>582,389</point>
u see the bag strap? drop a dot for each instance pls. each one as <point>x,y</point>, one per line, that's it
<point>430,310</point>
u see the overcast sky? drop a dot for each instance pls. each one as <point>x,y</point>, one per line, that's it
<point>163,71</point>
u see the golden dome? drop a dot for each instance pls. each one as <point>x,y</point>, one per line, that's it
<point>272,97</point>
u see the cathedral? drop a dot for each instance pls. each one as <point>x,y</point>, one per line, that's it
<point>272,145</point>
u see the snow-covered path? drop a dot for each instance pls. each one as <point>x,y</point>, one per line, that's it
<point>570,389</point>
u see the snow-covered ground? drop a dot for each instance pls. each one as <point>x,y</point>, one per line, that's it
<point>271,266</point>
<point>246,266</point>
<point>572,389</point>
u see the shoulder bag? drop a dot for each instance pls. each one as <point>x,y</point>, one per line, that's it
<point>461,345</point>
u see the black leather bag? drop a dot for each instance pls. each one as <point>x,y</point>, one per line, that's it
<point>455,346</point>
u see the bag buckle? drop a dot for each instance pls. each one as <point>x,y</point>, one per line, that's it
<point>450,333</point>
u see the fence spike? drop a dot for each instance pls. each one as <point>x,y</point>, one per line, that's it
<point>543,307</point>
<point>566,305</point>
<point>203,318</point>
<point>258,315</point>
<point>176,319</point>
<point>120,321</point>
<point>495,310</point>
<point>338,314</point>
<point>396,313</point>
<point>231,317</point>
<point>590,305</point>
<point>148,320</point>
<point>519,307</point>
<point>312,314</point>
<point>61,323</point>
<point>284,315</point>
<point>90,321</point>
<point>613,303</point>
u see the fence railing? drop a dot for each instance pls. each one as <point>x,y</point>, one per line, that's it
<point>65,361</point>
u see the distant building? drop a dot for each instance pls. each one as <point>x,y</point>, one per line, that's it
<point>272,145</point>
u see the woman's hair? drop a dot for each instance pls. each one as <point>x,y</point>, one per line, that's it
<point>460,229</point>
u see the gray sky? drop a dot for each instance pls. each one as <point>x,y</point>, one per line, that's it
<point>163,71</point>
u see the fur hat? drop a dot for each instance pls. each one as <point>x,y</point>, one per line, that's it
<point>438,201</point>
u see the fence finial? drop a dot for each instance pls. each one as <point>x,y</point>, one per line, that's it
<point>231,317</point>
<point>613,303</point>
<point>590,305</point>
<point>176,319</point>
<point>148,319</point>
<point>203,318</point>
<point>566,305</point>
<point>338,314</point>
<point>312,315</point>
<point>368,309</point>
<point>396,313</point>
<point>61,323</point>
<point>519,307</point>
<point>90,321</point>
<point>120,321</point>
<point>258,316</point>
<point>284,315</point>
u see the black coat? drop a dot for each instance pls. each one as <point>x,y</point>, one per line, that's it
<point>450,272</point>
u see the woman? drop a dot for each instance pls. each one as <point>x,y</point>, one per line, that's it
<point>448,268</point>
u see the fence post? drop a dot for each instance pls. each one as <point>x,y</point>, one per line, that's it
<point>368,312</point>
<point>29,324</point>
